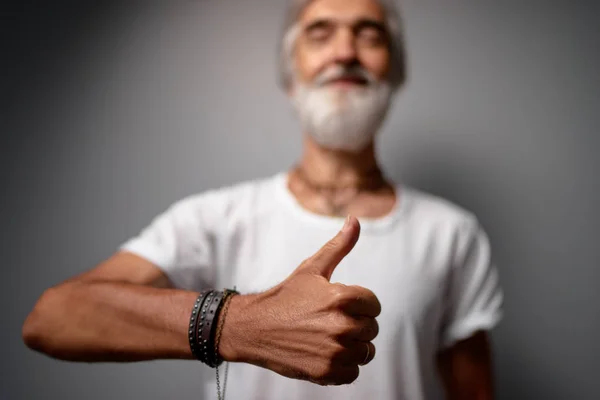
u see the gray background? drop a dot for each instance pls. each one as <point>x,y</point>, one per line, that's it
<point>111,111</point>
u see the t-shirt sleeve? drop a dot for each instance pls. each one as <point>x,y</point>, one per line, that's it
<point>179,242</point>
<point>474,300</point>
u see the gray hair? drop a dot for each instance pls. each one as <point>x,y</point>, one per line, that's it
<point>393,23</point>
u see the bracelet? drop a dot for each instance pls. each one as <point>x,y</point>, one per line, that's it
<point>228,294</point>
<point>226,301</point>
<point>203,326</point>
<point>194,317</point>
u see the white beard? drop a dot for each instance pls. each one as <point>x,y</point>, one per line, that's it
<point>342,119</point>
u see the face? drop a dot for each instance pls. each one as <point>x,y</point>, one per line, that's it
<point>341,61</point>
<point>341,32</point>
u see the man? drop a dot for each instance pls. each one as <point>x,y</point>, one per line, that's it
<point>395,306</point>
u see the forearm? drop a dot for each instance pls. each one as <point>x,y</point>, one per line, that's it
<point>466,369</point>
<point>108,321</point>
<point>303,328</point>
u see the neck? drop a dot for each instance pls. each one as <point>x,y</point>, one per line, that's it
<point>337,168</point>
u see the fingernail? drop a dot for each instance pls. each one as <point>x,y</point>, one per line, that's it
<point>346,224</point>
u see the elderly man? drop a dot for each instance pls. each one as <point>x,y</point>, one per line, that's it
<point>395,306</point>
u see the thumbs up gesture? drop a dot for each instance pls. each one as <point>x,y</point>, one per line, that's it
<point>306,327</point>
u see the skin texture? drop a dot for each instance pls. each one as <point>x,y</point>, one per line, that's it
<point>331,31</point>
<point>125,309</point>
<point>334,32</point>
<point>465,368</point>
<point>304,328</point>
<point>308,328</point>
<point>122,310</point>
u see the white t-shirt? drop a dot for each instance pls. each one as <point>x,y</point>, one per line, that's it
<point>428,262</point>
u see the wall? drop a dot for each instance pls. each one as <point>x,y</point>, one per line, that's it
<point>110,111</point>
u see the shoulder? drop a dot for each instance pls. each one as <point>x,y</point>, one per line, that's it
<point>438,213</point>
<point>227,200</point>
<point>453,228</point>
<point>437,209</point>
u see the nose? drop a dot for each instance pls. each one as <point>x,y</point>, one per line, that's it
<point>344,49</point>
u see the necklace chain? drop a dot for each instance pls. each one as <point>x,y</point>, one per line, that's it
<point>221,396</point>
<point>372,180</point>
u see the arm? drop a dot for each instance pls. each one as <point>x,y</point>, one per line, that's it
<point>474,306</point>
<point>466,369</point>
<point>122,310</point>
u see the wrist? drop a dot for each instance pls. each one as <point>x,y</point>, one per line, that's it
<point>237,343</point>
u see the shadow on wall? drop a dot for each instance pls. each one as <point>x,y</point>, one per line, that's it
<point>483,187</point>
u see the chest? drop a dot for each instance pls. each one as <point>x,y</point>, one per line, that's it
<point>408,277</point>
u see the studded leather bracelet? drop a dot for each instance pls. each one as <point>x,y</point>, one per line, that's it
<point>203,326</point>
<point>193,328</point>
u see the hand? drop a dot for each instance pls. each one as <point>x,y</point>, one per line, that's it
<point>306,327</point>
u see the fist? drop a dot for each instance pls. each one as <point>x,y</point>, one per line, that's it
<point>306,327</point>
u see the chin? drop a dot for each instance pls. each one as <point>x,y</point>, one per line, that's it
<point>344,129</point>
<point>343,116</point>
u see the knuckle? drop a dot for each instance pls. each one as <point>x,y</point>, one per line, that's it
<point>367,296</point>
<point>361,291</point>
<point>369,293</point>
<point>336,355</point>
<point>341,325</point>
<point>357,292</point>
<point>339,296</point>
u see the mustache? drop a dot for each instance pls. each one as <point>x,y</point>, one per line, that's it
<point>344,72</point>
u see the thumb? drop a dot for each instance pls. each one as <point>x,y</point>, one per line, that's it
<point>333,252</point>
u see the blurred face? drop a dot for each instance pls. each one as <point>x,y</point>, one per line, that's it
<point>346,32</point>
<point>341,62</point>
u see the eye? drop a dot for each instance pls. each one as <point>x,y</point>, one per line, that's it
<point>371,36</point>
<point>318,34</point>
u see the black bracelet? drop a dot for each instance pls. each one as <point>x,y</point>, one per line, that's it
<point>205,331</point>
<point>203,326</point>
<point>193,329</point>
